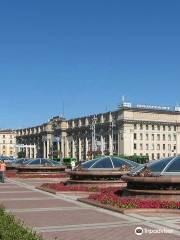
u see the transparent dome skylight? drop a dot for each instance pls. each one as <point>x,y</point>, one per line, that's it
<point>166,166</point>
<point>108,163</point>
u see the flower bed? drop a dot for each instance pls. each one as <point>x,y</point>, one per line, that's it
<point>107,197</point>
<point>10,228</point>
<point>14,175</point>
<point>79,188</point>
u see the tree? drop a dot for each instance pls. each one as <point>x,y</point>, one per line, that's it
<point>21,154</point>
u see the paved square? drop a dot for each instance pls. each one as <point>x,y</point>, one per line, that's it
<point>62,216</point>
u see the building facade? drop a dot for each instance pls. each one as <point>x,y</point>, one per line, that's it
<point>131,130</point>
<point>7,143</point>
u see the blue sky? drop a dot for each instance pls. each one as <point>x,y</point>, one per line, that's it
<point>85,55</point>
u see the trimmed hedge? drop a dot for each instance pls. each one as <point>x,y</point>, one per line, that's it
<point>12,229</point>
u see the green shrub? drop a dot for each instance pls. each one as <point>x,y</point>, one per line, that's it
<point>12,229</point>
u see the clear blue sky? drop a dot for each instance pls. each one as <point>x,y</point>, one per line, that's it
<point>87,54</point>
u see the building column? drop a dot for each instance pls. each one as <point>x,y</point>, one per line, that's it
<point>35,151</point>
<point>44,149</point>
<point>48,147</point>
<point>102,145</point>
<point>30,152</point>
<point>67,148</point>
<point>58,149</point>
<point>86,147</point>
<point>73,149</point>
<point>110,145</point>
<point>62,146</point>
<point>79,142</point>
<point>178,140</point>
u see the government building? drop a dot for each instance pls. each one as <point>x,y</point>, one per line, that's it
<point>142,130</point>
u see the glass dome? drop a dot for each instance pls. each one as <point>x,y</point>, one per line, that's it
<point>166,166</point>
<point>108,163</point>
<point>41,161</point>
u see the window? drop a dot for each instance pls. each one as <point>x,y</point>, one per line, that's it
<point>152,137</point>
<point>174,128</point>
<point>158,156</point>
<point>147,127</point>
<point>158,127</point>
<point>4,136</point>
<point>135,146</point>
<point>10,136</point>
<point>135,126</point>
<point>164,155</point>
<point>4,147</point>
<point>135,136</point>
<point>153,146</point>
<point>141,126</point>
<point>169,128</point>
<point>4,141</point>
<point>164,137</point>
<point>147,136</point>
<point>141,146</point>
<point>152,127</point>
<point>158,146</point>
<point>158,137</point>
<point>164,147</point>
<point>169,147</point>
<point>141,136</point>
<point>10,141</point>
<point>169,137</point>
<point>152,156</point>
<point>147,146</point>
<point>174,137</point>
<point>164,128</point>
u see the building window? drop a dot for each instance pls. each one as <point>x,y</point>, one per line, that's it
<point>158,127</point>
<point>147,136</point>
<point>4,141</point>
<point>10,136</point>
<point>164,155</point>
<point>152,127</point>
<point>141,136</point>
<point>169,147</point>
<point>174,137</point>
<point>164,128</point>
<point>135,136</point>
<point>164,147</point>
<point>164,137</point>
<point>152,137</point>
<point>158,146</point>
<point>4,136</point>
<point>141,146</point>
<point>4,147</point>
<point>141,126</point>
<point>135,146</point>
<point>158,156</point>
<point>169,137</point>
<point>135,126</point>
<point>169,128</point>
<point>152,156</point>
<point>158,137</point>
<point>147,127</point>
<point>174,128</point>
<point>152,146</point>
<point>147,146</point>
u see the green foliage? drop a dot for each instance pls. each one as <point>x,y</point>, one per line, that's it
<point>136,158</point>
<point>12,229</point>
<point>21,154</point>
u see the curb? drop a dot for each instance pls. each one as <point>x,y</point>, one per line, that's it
<point>126,211</point>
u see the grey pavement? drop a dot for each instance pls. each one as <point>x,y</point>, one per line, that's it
<point>63,217</point>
